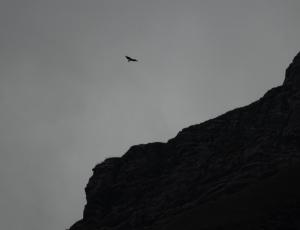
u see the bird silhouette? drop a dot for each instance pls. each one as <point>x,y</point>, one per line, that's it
<point>129,59</point>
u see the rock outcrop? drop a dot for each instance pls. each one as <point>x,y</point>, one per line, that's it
<point>240,170</point>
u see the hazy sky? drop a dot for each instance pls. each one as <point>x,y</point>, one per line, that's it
<point>68,98</point>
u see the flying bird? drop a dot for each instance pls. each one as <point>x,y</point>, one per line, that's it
<point>129,59</point>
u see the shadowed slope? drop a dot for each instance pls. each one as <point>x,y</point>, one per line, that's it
<point>205,176</point>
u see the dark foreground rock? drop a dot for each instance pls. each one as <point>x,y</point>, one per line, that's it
<point>240,170</point>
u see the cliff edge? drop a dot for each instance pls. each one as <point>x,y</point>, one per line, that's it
<point>240,170</point>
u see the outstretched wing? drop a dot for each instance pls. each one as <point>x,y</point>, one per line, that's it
<point>130,59</point>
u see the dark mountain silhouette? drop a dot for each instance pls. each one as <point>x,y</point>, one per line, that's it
<point>240,170</point>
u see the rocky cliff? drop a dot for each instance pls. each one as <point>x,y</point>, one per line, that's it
<point>240,170</point>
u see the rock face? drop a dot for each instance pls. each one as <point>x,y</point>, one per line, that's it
<point>237,171</point>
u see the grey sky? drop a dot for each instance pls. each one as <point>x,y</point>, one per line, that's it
<point>68,98</point>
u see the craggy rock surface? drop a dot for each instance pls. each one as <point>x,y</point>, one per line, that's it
<point>237,171</point>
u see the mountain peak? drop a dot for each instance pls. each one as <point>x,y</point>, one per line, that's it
<point>239,170</point>
<point>292,76</point>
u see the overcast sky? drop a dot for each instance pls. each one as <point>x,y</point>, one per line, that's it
<point>68,98</point>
